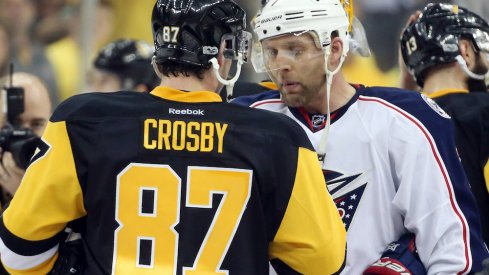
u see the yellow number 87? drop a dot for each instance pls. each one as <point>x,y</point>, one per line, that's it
<point>148,209</point>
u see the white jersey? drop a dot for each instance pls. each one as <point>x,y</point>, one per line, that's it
<point>392,168</point>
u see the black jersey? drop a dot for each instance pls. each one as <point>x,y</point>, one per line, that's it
<point>470,114</point>
<point>173,182</point>
<point>244,88</point>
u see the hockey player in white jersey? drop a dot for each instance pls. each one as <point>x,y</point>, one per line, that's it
<point>388,155</point>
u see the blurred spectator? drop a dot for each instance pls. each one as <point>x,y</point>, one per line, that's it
<point>65,54</point>
<point>27,54</point>
<point>358,69</point>
<point>4,49</point>
<point>130,19</point>
<point>383,21</point>
<point>50,23</point>
<point>35,117</point>
<point>124,65</point>
<point>481,6</point>
<point>105,22</point>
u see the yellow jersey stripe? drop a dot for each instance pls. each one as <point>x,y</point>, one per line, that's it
<point>60,188</point>
<point>323,251</point>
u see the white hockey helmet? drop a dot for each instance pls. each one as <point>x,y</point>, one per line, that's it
<point>318,17</point>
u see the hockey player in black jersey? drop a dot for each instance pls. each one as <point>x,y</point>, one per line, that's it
<point>174,181</point>
<point>446,50</point>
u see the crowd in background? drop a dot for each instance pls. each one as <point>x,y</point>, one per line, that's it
<point>43,37</point>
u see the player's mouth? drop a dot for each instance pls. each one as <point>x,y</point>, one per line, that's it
<point>291,86</point>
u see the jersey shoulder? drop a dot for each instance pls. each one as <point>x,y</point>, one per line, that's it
<point>252,99</point>
<point>478,102</point>
<point>93,105</point>
<point>246,88</point>
<point>412,103</point>
<point>273,124</point>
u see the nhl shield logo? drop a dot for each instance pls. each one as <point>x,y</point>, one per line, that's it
<point>318,121</point>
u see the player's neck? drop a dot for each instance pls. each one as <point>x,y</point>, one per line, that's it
<point>191,83</point>
<point>444,79</point>
<point>341,93</point>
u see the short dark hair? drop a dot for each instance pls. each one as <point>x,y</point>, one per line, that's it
<point>176,69</point>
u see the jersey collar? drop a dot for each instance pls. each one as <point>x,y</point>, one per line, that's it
<point>446,92</point>
<point>183,96</point>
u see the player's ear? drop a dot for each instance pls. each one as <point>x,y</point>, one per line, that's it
<point>467,52</point>
<point>336,50</point>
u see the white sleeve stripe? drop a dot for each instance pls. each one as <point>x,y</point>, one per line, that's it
<point>267,101</point>
<point>18,262</point>
<point>448,183</point>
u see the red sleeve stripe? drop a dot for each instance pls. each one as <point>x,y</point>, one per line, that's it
<point>263,102</point>
<point>442,167</point>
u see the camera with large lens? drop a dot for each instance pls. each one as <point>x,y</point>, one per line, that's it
<point>18,140</point>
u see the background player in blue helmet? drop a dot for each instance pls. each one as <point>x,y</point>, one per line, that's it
<point>446,49</point>
<point>124,64</point>
<point>174,181</point>
<point>388,155</point>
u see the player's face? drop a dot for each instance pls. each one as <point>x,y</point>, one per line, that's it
<point>101,81</point>
<point>37,109</point>
<point>296,65</point>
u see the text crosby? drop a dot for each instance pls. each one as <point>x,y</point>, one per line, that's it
<point>162,134</point>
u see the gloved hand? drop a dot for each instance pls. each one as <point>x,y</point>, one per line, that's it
<point>399,258</point>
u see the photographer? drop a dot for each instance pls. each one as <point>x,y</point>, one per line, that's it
<point>37,109</point>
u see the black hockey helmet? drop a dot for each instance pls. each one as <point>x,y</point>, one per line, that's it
<point>130,60</point>
<point>191,31</point>
<point>434,37</point>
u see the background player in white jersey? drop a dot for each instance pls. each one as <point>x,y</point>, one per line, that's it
<point>389,160</point>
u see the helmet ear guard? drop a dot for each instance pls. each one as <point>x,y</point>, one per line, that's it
<point>238,48</point>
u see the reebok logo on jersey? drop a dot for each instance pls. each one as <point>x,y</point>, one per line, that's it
<point>186,112</point>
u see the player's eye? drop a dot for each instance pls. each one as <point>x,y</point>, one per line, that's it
<point>271,53</point>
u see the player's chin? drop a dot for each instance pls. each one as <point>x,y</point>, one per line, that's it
<point>293,100</point>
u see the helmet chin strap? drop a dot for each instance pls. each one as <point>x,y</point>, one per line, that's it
<point>472,75</point>
<point>155,67</point>
<point>228,83</point>
<point>321,151</point>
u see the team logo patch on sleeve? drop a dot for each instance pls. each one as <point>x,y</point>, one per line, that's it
<point>347,191</point>
<point>435,106</point>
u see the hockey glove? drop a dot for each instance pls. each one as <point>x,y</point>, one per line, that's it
<point>399,258</point>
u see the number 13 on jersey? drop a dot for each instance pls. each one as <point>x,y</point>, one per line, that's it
<point>148,203</point>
